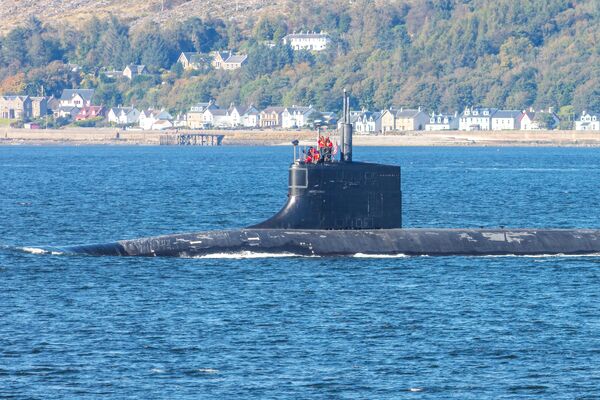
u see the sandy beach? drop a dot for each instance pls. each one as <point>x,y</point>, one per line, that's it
<point>108,136</point>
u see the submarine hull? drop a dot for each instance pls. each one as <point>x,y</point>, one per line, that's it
<point>432,242</point>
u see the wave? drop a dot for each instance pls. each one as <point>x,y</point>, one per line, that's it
<point>364,255</point>
<point>248,254</point>
<point>559,255</point>
<point>32,250</point>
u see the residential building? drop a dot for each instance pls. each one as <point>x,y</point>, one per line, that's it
<point>123,115</point>
<point>476,119</point>
<point>90,112</point>
<point>250,117</point>
<point>235,115</point>
<point>193,61</point>
<point>68,112</point>
<point>296,117</point>
<point>15,107</point>
<point>195,117</point>
<point>403,119</point>
<point>442,122</point>
<point>53,104</point>
<point>588,122</point>
<point>131,71</point>
<point>271,117</point>
<point>226,60</point>
<point>216,118</point>
<point>366,122</point>
<point>311,41</point>
<point>76,98</point>
<point>506,120</point>
<point>155,120</point>
<point>536,120</point>
<point>39,107</point>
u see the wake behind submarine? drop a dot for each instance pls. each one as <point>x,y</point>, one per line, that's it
<point>341,208</point>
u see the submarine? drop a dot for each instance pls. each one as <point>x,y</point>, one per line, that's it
<point>342,208</point>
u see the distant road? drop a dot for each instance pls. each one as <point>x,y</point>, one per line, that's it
<point>108,136</point>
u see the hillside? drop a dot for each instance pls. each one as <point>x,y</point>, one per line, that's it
<point>439,54</point>
<point>77,12</point>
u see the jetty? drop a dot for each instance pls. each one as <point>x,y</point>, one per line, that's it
<point>191,139</point>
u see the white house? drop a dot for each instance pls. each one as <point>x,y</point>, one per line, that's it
<point>76,98</point>
<point>307,41</point>
<point>476,119</point>
<point>442,122</point>
<point>535,120</point>
<point>235,115</point>
<point>155,120</point>
<point>366,122</point>
<point>217,118</point>
<point>250,117</point>
<point>506,120</point>
<point>123,115</point>
<point>195,117</point>
<point>295,117</point>
<point>588,122</point>
<point>131,71</point>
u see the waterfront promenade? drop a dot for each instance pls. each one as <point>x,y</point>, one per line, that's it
<point>113,136</point>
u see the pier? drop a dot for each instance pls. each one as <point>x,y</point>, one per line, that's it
<point>191,139</point>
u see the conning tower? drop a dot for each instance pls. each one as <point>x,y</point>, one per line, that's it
<point>341,194</point>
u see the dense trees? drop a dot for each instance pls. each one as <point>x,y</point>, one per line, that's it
<point>440,54</point>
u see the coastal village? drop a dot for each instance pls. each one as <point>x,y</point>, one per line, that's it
<point>78,107</point>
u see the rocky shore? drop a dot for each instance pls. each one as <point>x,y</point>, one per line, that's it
<point>112,136</point>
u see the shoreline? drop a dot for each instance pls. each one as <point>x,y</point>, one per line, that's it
<point>107,137</point>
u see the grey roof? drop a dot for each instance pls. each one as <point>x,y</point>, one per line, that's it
<point>86,94</point>
<point>507,114</point>
<point>138,69</point>
<point>14,97</point>
<point>237,59</point>
<point>406,113</point>
<point>278,110</point>
<point>194,58</point>
<point>68,108</point>
<point>295,109</point>
<point>117,110</point>
<point>219,112</point>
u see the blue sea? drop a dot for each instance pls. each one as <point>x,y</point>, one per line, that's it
<point>245,327</point>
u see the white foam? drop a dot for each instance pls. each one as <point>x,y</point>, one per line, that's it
<point>37,250</point>
<point>363,255</point>
<point>33,250</point>
<point>248,254</point>
<point>559,255</point>
<point>415,390</point>
<point>208,370</point>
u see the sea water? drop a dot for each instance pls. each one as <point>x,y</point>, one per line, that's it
<point>238,326</point>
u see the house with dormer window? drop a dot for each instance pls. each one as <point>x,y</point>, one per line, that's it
<point>588,122</point>
<point>442,122</point>
<point>366,122</point>
<point>226,60</point>
<point>295,116</point>
<point>476,119</point>
<point>79,98</point>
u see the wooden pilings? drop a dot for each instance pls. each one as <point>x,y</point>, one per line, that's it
<point>191,139</point>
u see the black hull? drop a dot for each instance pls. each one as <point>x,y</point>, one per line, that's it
<point>432,242</point>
